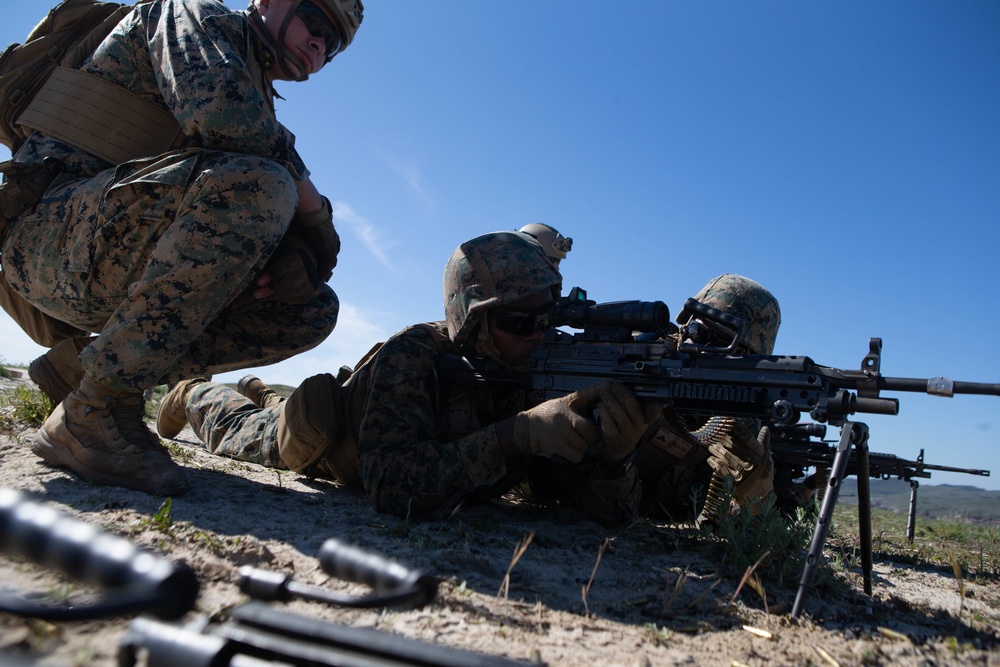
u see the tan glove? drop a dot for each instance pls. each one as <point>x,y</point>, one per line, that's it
<point>748,460</point>
<point>317,229</point>
<point>290,276</point>
<point>623,420</point>
<point>293,271</point>
<point>557,427</point>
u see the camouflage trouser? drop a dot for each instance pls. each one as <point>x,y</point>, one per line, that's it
<point>151,254</point>
<point>232,425</point>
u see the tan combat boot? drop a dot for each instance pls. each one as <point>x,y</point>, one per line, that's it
<point>58,371</point>
<point>99,433</point>
<point>171,418</point>
<point>254,388</point>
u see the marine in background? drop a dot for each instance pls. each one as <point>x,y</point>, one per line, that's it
<point>207,253</point>
<point>555,245</point>
<point>684,460</point>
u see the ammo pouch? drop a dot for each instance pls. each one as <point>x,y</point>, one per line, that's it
<point>318,424</point>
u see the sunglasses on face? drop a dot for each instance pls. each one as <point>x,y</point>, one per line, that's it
<point>522,323</point>
<point>319,25</point>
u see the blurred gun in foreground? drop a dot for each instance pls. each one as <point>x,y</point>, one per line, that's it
<point>633,342</point>
<point>796,448</point>
<point>134,581</point>
<point>252,634</point>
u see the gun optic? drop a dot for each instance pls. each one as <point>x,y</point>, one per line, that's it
<point>643,316</point>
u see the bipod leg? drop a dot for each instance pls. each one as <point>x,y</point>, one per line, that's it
<point>864,513</point>
<point>850,433</point>
<point>911,519</point>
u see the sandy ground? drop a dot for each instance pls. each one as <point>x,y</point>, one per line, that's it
<point>580,594</point>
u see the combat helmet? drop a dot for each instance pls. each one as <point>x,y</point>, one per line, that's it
<point>346,15</point>
<point>748,300</point>
<point>489,271</point>
<point>553,243</point>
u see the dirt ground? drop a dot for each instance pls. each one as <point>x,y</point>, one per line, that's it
<point>580,594</point>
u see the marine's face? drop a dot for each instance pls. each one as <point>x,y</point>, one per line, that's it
<point>519,327</point>
<point>310,47</point>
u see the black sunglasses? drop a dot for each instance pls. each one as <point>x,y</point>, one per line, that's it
<point>522,323</point>
<point>319,25</point>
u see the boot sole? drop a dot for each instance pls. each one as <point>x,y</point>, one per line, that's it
<point>55,453</point>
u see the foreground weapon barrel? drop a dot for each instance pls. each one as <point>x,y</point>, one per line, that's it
<point>135,581</point>
<point>394,584</point>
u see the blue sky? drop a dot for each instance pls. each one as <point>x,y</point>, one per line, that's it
<point>846,155</point>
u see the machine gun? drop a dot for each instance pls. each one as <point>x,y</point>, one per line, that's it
<point>796,448</point>
<point>698,369</point>
<point>253,633</point>
<point>706,376</point>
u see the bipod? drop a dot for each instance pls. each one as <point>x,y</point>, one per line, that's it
<point>852,434</point>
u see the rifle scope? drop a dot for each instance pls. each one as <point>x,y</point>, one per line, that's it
<point>644,316</point>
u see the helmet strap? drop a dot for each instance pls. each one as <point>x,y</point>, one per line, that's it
<point>486,346</point>
<point>277,46</point>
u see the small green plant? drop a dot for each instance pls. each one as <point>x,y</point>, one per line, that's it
<point>29,406</point>
<point>658,635</point>
<point>749,534</point>
<point>178,453</point>
<point>161,521</point>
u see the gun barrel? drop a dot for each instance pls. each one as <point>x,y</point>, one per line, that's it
<point>939,386</point>
<point>965,471</point>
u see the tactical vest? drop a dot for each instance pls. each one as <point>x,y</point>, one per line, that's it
<point>105,119</point>
<point>319,441</point>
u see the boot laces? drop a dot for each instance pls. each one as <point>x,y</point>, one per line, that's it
<point>128,412</point>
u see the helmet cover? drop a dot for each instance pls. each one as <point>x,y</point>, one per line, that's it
<point>751,302</point>
<point>489,271</point>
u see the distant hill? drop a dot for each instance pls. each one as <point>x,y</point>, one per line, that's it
<point>937,501</point>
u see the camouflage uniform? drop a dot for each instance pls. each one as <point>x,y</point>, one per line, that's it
<point>423,444</point>
<point>151,252</point>
<point>674,458</point>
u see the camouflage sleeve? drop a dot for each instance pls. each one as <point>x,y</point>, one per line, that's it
<point>198,51</point>
<point>406,467</point>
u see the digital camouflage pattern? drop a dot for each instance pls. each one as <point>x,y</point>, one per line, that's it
<point>750,301</point>
<point>490,271</point>
<point>230,424</point>
<point>425,445</point>
<point>150,253</point>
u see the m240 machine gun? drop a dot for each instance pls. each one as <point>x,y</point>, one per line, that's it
<point>698,369</point>
<point>798,448</point>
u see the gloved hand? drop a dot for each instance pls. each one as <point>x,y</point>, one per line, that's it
<point>557,427</point>
<point>623,420</point>
<point>317,230</point>
<point>290,275</point>
<point>748,460</point>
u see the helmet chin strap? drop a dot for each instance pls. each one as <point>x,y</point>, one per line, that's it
<point>280,52</point>
<point>486,346</point>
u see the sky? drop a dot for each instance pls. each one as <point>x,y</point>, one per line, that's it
<point>845,155</point>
